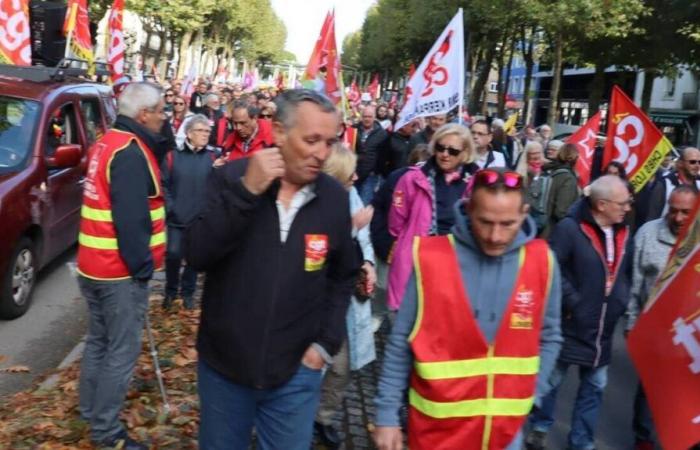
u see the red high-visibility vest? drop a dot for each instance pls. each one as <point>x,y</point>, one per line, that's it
<point>98,249</point>
<point>464,392</point>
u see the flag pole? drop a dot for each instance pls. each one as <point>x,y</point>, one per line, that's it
<point>460,110</point>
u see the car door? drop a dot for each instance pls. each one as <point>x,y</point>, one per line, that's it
<point>63,186</point>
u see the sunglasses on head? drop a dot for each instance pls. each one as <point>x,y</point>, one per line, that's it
<point>490,177</point>
<point>439,148</point>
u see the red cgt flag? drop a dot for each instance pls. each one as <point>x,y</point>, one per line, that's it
<point>354,94</point>
<point>585,139</point>
<point>15,45</point>
<point>373,87</point>
<point>633,140</point>
<point>116,45</point>
<point>665,344</point>
<point>76,27</point>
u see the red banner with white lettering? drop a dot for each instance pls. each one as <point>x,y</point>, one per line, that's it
<point>116,45</point>
<point>665,344</point>
<point>633,140</point>
<point>15,46</point>
<point>585,140</point>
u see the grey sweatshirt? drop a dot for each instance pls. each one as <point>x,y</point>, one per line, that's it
<point>489,282</point>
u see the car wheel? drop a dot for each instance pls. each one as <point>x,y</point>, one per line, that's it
<point>18,284</point>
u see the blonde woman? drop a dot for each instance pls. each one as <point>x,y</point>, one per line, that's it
<point>359,349</point>
<point>424,198</point>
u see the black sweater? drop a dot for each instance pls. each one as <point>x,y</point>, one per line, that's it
<point>130,186</point>
<point>261,308</point>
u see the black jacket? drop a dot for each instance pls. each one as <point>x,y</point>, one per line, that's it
<point>197,102</point>
<point>588,314</point>
<point>382,240</point>
<point>659,193</point>
<point>369,151</point>
<point>263,305</point>
<point>130,186</point>
<point>395,155</point>
<point>184,174</point>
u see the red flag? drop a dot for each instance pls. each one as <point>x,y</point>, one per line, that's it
<point>354,93</point>
<point>76,27</point>
<point>116,45</point>
<point>15,44</point>
<point>665,343</point>
<point>281,81</point>
<point>633,140</point>
<point>315,59</point>
<point>585,139</point>
<point>373,87</point>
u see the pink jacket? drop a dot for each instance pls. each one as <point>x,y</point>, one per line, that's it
<point>411,215</point>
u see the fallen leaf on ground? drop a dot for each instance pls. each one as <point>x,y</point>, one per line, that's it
<point>15,369</point>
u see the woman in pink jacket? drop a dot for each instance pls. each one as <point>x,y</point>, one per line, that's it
<point>424,198</point>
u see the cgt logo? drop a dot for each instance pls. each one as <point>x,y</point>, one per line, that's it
<point>686,335</point>
<point>434,73</point>
<point>625,142</point>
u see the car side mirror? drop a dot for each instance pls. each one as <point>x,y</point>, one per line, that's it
<point>67,155</point>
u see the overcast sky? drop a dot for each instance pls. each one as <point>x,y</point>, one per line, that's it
<point>303,19</point>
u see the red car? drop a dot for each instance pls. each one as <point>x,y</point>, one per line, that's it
<point>48,120</point>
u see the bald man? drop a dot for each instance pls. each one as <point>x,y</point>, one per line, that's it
<point>687,173</point>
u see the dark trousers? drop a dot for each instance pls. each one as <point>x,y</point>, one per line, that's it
<point>642,422</point>
<point>174,281</point>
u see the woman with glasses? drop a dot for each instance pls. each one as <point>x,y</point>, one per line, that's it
<point>184,174</point>
<point>424,198</point>
<point>180,113</point>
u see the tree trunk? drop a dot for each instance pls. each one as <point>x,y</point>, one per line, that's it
<point>649,77</point>
<point>185,43</point>
<point>529,57</point>
<point>475,103</point>
<point>596,89</point>
<point>161,52</point>
<point>553,111</point>
<point>503,96</point>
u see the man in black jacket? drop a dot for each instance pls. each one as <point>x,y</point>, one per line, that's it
<point>687,173</point>
<point>369,147</point>
<point>275,241</point>
<point>594,249</point>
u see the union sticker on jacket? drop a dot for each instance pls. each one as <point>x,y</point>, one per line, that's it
<point>316,251</point>
<point>521,317</point>
<point>398,198</point>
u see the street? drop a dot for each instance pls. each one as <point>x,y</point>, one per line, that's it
<point>46,334</point>
<point>57,321</point>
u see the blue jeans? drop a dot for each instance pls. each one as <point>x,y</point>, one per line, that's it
<point>116,314</point>
<point>283,416</point>
<point>173,263</point>
<point>586,407</point>
<point>368,187</point>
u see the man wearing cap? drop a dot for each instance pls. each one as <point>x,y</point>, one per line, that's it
<point>499,328</point>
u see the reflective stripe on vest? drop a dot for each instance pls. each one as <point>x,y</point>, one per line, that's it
<point>471,408</point>
<point>102,243</point>
<point>105,215</point>
<point>497,365</point>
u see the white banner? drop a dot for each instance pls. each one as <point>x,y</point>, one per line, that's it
<point>437,86</point>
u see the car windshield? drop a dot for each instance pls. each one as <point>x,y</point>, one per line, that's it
<point>18,119</point>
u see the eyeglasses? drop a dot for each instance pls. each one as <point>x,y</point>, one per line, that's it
<point>692,162</point>
<point>266,116</point>
<point>179,103</point>
<point>628,202</point>
<point>490,177</point>
<point>439,148</point>
<point>169,95</point>
<point>201,130</point>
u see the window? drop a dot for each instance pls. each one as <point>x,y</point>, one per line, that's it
<point>18,120</point>
<point>493,87</point>
<point>62,128</point>
<point>670,86</point>
<point>92,116</point>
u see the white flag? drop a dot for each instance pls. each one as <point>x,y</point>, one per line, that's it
<point>437,86</point>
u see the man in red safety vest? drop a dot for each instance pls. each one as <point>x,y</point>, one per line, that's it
<point>121,242</point>
<point>479,333</point>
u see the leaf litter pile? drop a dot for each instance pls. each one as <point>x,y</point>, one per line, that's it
<point>49,419</point>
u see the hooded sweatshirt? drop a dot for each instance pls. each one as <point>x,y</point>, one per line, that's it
<point>489,282</point>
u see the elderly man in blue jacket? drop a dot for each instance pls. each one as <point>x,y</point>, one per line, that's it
<point>595,249</point>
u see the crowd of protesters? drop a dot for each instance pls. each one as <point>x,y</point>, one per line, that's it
<point>481,239</point>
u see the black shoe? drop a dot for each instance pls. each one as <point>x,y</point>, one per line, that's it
<point>327,435</point>
<point>122,441</point>
<point>189,302</point>
<point>535,440</point>
<point>168,302</point>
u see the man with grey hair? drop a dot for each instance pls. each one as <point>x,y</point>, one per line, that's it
<point>274,239</point>
<point>121,243</point>
<point>686,173</point>
<point>594,248</point>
